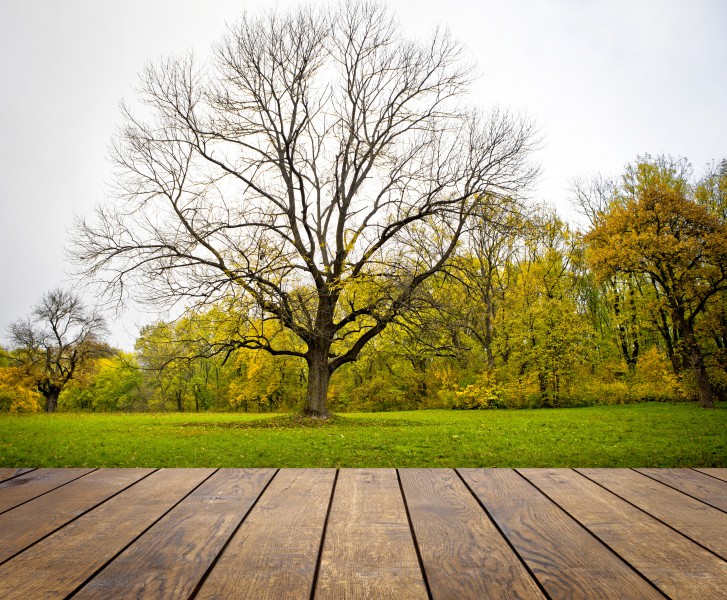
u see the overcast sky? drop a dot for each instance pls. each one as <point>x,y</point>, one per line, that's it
<point>604,81</point>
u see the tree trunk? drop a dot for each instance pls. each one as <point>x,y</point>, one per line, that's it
<point>51,400</point>
<point>704,387</point>
<point>488,334</point>
<point>542,383</point>
<point>319,376</point>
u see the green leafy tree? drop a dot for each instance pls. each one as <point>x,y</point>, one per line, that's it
<point>165,355</point>
<point>119,384</point>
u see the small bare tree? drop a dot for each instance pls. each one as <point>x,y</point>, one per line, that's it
<point>58,337</point>
<point>310,178</point>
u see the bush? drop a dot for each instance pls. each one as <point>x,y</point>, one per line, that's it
<point>17,394</point>
<point>485,392</point>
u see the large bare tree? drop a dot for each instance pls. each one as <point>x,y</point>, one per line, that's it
<point>309,178</point>
<point>56,340</point>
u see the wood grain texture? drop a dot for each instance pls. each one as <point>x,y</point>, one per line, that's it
<point>10,473</point>
<point>57,565</point>
<point>676,565</point>
<point>164,535</point>
<point>29,522</point>
<point>704,524</point>
<point>274,552</point>
<point>14,492</point>
<point>718,473</point>
<point>567,560</point>
<point>464,555</point>
<point>369,551</point>
<point>170,558</point>
<point>702,487</point>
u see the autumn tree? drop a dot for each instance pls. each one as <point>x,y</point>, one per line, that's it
<point>490,245</point>
<point>654,227</point>
<point>170,360</point>
<point>311,176</point>
<point>711,192</point>
<point>17,391</point>
<point>58,338</point>
<point>544,329</point>
<point>622,294</point>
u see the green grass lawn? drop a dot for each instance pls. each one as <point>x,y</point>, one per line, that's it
<point>635,435</point>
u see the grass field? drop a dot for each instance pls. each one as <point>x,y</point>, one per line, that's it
<point>636,435</point>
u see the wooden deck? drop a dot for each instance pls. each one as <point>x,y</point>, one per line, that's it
<point>363,533</point>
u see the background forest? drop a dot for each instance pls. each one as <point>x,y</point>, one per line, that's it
<point>529,312</point>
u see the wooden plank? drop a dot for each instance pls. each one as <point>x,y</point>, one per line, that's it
<point>703,487</point>
<point>14,492</point>
<point>718,473</point>
<point>568,561</point>
<point>677,566</point>
<point>275,551</point>
<point>59,564</point>
<point>369,551</point>
<point>704,524</point>
<point>169,560</point>
<point>26,524</point>
<point>10,473</point>
<point>464,555</point>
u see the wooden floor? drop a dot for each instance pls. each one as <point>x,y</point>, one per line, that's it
<point>363,533</point>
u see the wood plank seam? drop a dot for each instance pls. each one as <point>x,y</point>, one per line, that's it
<point>414,537</point>
<point>316,571</point>
<point>19,474</point>
<point>211,566</point>
<point>2,512</point>
<point>704,472</point>
<point>681,533</point>
<point>593,534</point>
<point>502,533</point>
<point>274,553</point>
<point>169,560</point>
<point>682,491</point>
<point>141,533</point>
<point>78,516</point>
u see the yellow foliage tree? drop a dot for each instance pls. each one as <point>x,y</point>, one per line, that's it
<point>17,391</point>
<point>655,227</point>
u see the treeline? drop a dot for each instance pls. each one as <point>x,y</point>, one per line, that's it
<point>531,312</point>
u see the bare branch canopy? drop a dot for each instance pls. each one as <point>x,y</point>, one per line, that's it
<point>308,178</point>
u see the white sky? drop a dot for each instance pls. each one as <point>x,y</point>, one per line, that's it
<point>604,80</point>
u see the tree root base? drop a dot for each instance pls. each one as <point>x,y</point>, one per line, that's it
<point>314,414</point>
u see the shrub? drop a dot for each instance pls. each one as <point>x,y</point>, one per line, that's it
<point>16,392</point>
<point>485,392</point>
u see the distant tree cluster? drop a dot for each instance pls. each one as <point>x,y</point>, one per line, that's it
<point>526,312</point>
